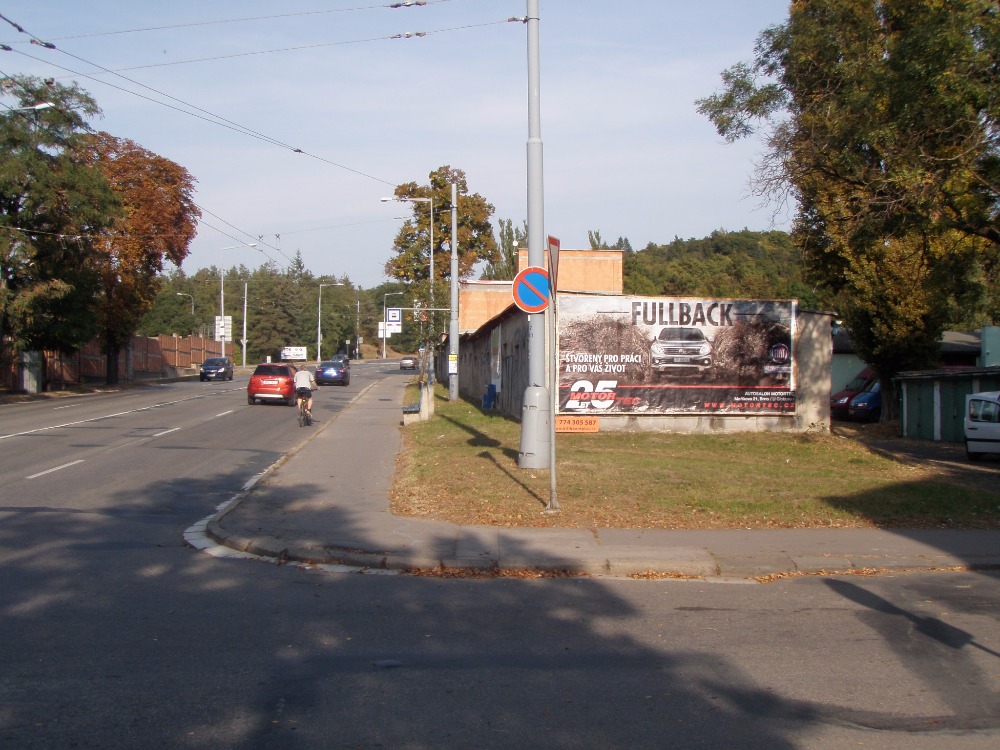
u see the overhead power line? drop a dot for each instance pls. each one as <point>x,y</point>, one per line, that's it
<point>211,116</point>
<point>195,24</point>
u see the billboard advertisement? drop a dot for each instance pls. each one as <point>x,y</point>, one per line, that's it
<point>675,355</point>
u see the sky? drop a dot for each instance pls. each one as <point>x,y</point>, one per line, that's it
<point>230,90</point>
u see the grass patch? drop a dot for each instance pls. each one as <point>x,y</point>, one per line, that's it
<point>461,467</point>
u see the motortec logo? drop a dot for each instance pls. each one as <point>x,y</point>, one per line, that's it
<point>584,395</point>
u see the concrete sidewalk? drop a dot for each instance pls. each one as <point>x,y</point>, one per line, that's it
<point>327,503</point>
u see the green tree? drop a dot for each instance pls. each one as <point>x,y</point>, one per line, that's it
<point>52,207</point>
<point>881,120</point>
<point>503,267</point>
<point>596,241</point>
<point>157,224</point>
<point>411,264</point>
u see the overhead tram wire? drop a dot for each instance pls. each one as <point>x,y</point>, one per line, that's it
<point>403,35</point>
<point>252,18</point>
<point>218,119</point>
<point>255,237</point>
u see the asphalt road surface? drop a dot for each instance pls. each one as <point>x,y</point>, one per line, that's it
<point>115,634</point>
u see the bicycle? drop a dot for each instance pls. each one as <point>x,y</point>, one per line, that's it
<point>305,418</point>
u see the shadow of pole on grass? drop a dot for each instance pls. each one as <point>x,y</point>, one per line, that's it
<point>490,457</point>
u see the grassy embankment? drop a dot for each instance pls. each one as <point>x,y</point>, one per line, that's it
<point>461,466</point>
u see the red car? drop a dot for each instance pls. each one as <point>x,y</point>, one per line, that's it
<point>272,382</point>
<point>840,402</point>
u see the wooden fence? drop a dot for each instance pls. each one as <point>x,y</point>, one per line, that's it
<point>146,358</point>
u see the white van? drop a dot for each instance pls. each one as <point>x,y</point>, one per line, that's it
<point>982,424</point>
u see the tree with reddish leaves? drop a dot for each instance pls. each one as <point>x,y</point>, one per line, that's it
<point>157,223</point>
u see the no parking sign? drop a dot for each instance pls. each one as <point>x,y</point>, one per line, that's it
<point>531,289</point>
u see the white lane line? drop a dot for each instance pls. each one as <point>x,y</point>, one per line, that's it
<point>166,432</point>
<point>224,413</point>
<point>98,419</point>
<point>71,406</point>
<point>57,468</point>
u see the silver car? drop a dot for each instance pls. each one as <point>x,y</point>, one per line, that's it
<point>684,350</point>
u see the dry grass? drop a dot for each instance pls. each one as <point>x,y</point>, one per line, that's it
<point>461,467</point>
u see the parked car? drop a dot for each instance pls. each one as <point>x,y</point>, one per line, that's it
<point>840,401</point>
<point>408,363</point>
<point>683,350</point>
<point>867,406</point>
<point>272,382</point>
<point>982,424</point>
<point>216,368</point>
<point>334,372</point>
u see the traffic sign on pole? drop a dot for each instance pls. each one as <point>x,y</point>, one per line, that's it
<point>531,289</point>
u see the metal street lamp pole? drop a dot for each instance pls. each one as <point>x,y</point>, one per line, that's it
<point>243,341</point>
<point>385,321</point>
<point>222,295</point>
<point>431,202</point>
<point>453,323</point>
<point>181,294</point>
<point>536,413</point>
<point>319,320</point>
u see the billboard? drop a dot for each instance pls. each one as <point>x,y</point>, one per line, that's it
<point>293,353</point>
<point>675,355</point>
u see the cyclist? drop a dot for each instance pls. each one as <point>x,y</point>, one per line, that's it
<point>305,384</point>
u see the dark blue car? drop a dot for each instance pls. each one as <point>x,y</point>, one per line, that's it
<point>867,406</point>
<point>334,372</point>
<point>216,368</point>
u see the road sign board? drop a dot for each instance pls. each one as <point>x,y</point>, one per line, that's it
<point>554,245</point>
<point>223,328</point>
<point>531,289</point>
<point>394,315</point>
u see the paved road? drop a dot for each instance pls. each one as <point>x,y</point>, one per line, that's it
<point>115,634</point>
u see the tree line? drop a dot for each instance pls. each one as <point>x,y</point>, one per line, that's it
<point>880,121</point>
<point>283,307</point>
<point>87,222</point>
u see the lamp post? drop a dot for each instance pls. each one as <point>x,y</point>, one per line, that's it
<point>385,322</point>
<point>34,107</point>
<point>453,319</point>
<point>319,320</point>
<point>536,414</point>
<point>222,295</point>
<point>357,329</point>
<point>181,294</point>
<point>431,202</point>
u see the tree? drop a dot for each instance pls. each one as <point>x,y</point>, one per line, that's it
<point>881,120</point>
<point>411,264</point>
<point>596,241</point>
<point>52,206</point>
<point>503,267</point>
<point>158,222</point>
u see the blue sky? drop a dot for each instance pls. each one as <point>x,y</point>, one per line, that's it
<point>625,153</point>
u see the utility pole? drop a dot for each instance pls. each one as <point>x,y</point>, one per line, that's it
<point>536,411</point>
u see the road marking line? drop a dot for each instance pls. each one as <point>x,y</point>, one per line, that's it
<point>224,413</point>
<point>166,432</point>
<point>57,468</point>
<point>98,419</point>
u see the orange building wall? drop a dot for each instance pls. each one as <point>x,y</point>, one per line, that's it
<point>598,271</point>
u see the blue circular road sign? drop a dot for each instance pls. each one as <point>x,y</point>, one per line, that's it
<point>531,289</point>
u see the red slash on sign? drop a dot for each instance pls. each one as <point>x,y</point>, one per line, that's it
<point>531,289</point>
